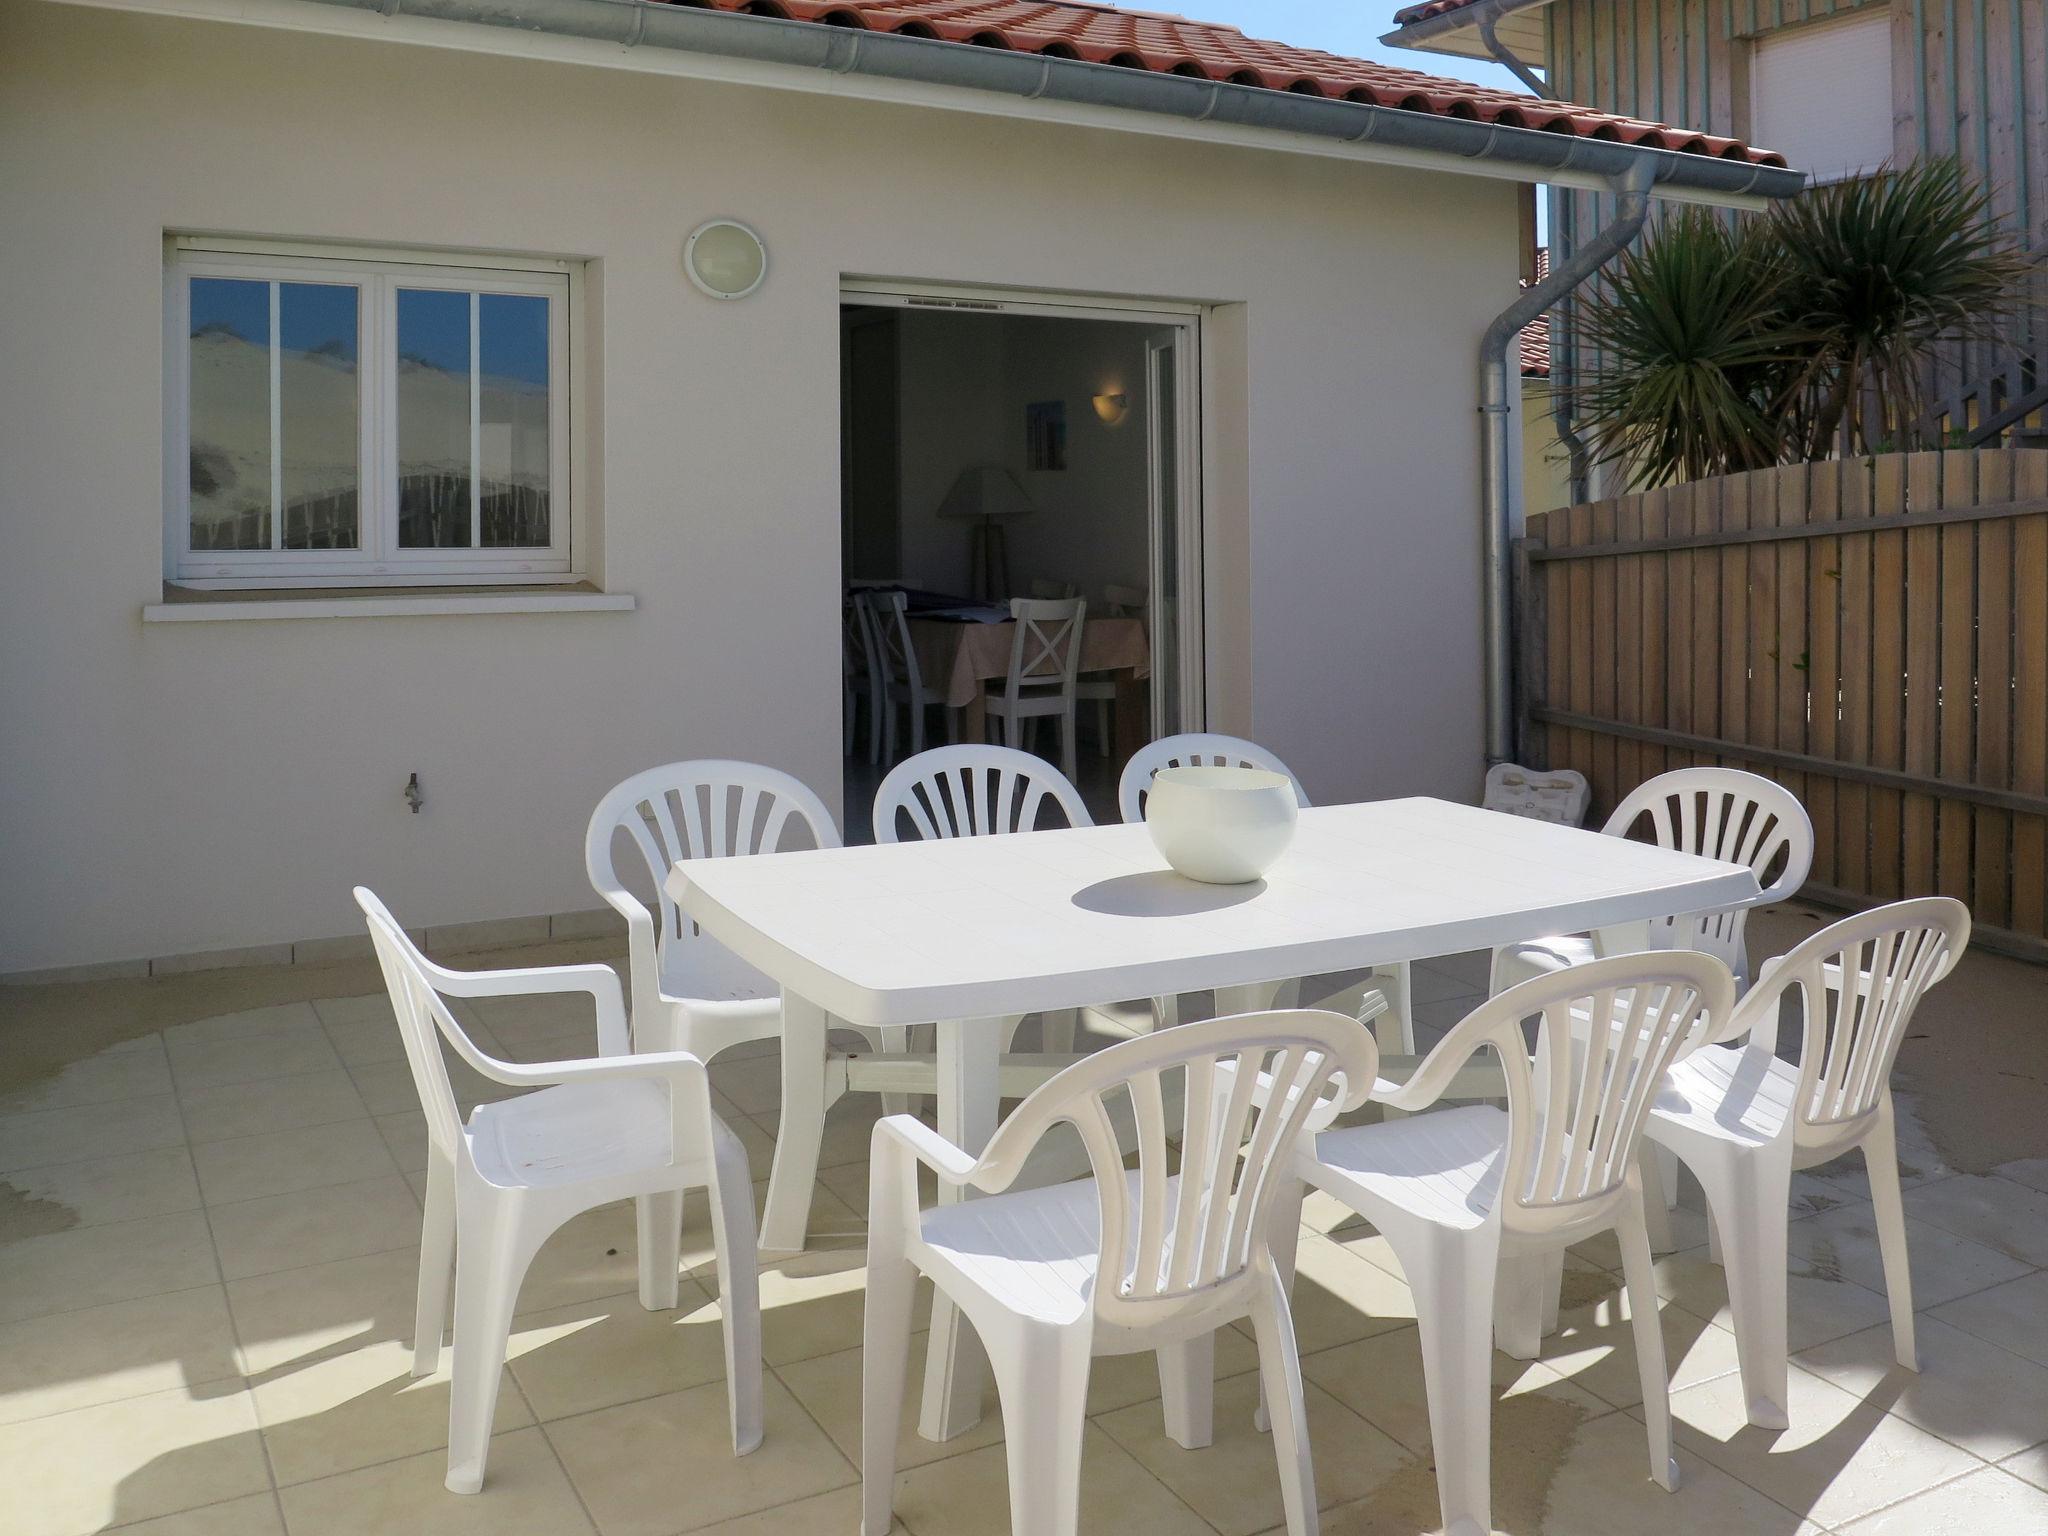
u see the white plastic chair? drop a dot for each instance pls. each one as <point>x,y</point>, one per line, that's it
<point>617,1127</point>
<point>1720,813</point>
<point>1046,590</point>
<point>1558,795</point>
<point>863,678</point>
<point>1099,688</point>
<point>902,683</point>
<point>1742,1119</point>
<point>972,790</point>
<point>1194,749</point>
<point>1045,654</point>
<point>1155,1257</point>
<point>978,791</point>
<point>689,992</point>
<point>1463,1195</point>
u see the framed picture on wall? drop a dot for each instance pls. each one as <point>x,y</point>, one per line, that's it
<point>1045,435</point>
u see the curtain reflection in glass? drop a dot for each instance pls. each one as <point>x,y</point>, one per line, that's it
<point>229,401</point>
<point>434,509</point>
<point>318,426</point>
<point>512,432</point>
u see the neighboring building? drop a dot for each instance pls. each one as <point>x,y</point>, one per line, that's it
<point>1836,86</point>
<point>360,419</point>
<point>1546,466</point>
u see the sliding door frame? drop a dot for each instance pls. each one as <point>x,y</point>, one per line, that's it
<point>1190,646</point>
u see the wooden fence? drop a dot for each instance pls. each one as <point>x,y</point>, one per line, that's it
<point>1873,633</point>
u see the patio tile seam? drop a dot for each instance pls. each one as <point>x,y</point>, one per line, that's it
<point>276,1077</point>
<point>200,1509</point>
<point>561,1466</point>
<point>1636,1413</point>
<point>234,1328</point>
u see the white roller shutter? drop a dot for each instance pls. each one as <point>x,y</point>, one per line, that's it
<point>1822,95</point>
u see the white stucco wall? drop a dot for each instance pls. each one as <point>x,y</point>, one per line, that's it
<point>175,788</point>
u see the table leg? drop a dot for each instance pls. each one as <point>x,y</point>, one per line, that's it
<point>802,1130</point>
<point>969,1105</point>
<point>1254,997</point>
<point>1133,716</point>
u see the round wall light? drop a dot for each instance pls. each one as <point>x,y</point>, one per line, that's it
<point>725,258</point>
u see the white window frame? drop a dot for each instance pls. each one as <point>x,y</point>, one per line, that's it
<point>377,274</point>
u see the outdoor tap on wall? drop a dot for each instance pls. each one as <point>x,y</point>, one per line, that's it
<point>413,797</point>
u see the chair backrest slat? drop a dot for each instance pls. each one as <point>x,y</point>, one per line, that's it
<point>1860,982</point>
<point>686,810</point>
<point>889,623</point>
<point>1721,813</point>
<point>1193,749</point>
<point>972,791</point>
<point>1607,1033</point>
<point>1045,642</point>
<point>424,1019</point>
<point>1247,1091</point>
<point>1558,795</point>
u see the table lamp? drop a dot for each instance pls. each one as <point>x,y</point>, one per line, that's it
<point>987,494</point>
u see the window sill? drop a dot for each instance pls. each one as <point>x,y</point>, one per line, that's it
<point>183,605</point>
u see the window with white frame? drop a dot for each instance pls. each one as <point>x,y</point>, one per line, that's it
<point>365,420</point>
<point>1821,95</point>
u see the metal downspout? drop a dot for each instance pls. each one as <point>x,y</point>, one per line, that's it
<point>1632,207</point>
<point>1561,349</point>
<point>1508,59</point>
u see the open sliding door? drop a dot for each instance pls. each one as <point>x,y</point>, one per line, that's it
<point>1173,452</point>
<point>1173,459</point>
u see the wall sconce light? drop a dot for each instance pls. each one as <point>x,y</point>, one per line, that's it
<point>1111,408</point>
<point>725,259</point>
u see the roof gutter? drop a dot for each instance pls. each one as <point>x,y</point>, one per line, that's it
<point>829,59</point>
<point>1498,447</point>
<point>1418,34</point>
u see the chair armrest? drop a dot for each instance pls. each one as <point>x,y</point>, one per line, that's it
<point>600,982</point>
<point>643,954</point>
<point>690,1110</point>
<point>1442,1066</point>
<point>913,1137</point>
<point>667,1065</point>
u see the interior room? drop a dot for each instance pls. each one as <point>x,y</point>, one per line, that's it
<point>988,456</point>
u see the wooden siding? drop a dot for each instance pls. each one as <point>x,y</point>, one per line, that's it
<point>1970,79</point>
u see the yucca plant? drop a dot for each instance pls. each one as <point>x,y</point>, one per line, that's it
<point>1878,269</point>
<point>1721,346</point>
<point>1690,347</point>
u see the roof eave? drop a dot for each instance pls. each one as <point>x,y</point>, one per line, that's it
<point>1455,34</point>
<point>803,56</point>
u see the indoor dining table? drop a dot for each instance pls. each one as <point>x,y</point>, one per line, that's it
<point>957,658</point>
<point>969,933</point>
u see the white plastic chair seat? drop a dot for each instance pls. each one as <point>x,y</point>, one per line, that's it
<point>573,1133</point>
<point>1444,1167</point>
<point>1540,957</point>
<point>1036,1251</point>
<point>713,973</point>
<point>1729,1093</point>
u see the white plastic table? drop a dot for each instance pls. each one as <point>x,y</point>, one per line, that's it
<point>969,931</point>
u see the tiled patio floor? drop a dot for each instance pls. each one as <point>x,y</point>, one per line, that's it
<point>208,1234</point>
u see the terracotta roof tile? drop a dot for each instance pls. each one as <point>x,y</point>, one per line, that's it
<point>1534,341</point>
<point>1414,13</point>
<point>1099,33</point>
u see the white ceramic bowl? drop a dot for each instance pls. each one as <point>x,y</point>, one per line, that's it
<point>1222,826</point>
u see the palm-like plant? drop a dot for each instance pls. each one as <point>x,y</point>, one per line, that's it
<point>1690,346</point>
<point>1724,347</point>
<point>1878,269</point>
